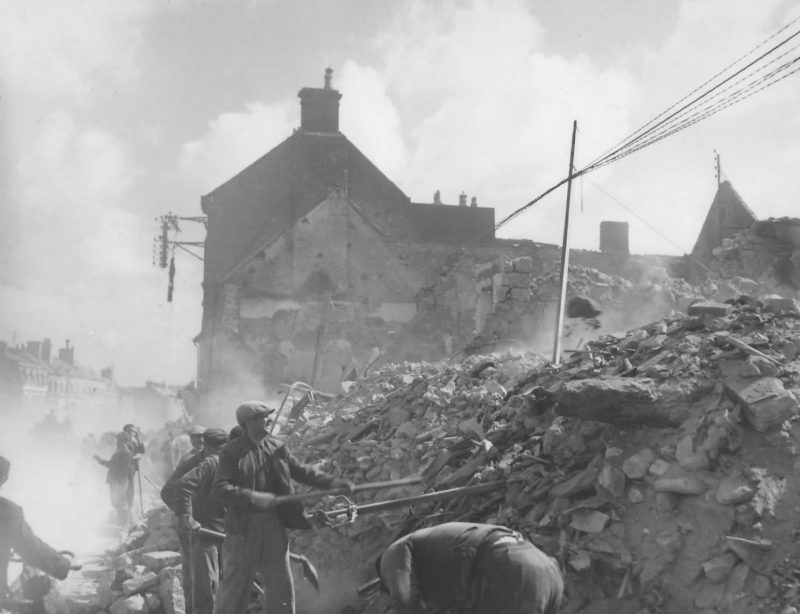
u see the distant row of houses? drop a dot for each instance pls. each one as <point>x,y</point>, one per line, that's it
<point>32,376</point>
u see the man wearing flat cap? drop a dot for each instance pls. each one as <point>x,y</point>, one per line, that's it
<point>253,470</point>
<point>170,495</point>
<point>196,509</point>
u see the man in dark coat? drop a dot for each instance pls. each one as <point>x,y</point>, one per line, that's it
<point>121,472</point>
<point>195,509</point>
<point>468,567</point>
<point>253,470</point>
<point>16,535</point>
<point>170,495</point>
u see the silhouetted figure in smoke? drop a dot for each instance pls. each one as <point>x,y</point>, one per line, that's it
<point>16,535</point>
<point>121,471</point>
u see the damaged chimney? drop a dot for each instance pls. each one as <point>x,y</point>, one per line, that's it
<point>67,354</point>
<point>462,199</point>
<point>437,198</point>
<point>319,107</point>
<point>614,238</point>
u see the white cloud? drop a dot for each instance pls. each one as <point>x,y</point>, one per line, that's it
<point>369,117</point>
<point>54,49</point>
<point>232,141</point>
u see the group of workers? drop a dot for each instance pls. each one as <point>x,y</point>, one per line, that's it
<point>231,485</point>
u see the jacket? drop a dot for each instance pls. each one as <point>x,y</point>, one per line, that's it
<point>194,495</point>
<point>268,466</point>
<point>16,535</point>
<point>169,492</point>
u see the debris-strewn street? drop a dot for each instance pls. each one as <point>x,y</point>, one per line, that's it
<point>414,307</point>
<point>656,467</point>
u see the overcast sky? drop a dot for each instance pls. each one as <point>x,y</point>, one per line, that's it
<point>116,111</point>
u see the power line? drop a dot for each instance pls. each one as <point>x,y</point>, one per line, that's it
<point>702,85</point>
<point>686,117</point>
<point>632,139</point>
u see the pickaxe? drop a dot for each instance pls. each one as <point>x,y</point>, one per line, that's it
<point>309,571</point>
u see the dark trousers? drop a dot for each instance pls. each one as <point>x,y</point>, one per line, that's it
<point>262,549</point>
<point>516,579</point>
<point>187,565</point>
<point>205,562</point>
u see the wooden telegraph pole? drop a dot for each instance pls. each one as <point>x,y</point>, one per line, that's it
<point>564,256</point>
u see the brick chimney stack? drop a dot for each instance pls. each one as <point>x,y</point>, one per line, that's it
<point>46,349</point>
<point>67,354</point>
<point>319,107</point>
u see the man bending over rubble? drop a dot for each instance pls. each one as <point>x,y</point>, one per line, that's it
<point>252,471</point>
<point>197,509</point>
<point>16,535</point>
<point>476,568</point>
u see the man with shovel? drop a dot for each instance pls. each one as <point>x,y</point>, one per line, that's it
<point>196,509</point>
<point>253,470</point>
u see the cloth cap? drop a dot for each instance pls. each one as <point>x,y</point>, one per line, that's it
<point>196,430</point>
<point>236,432</point>
<point>250,409</point>
<point>215,437</point>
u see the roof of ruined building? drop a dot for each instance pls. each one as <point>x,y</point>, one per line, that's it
<point>266,199</point>
<point>727,215</point>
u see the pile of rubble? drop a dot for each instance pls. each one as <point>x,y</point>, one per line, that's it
<point>655,466</point>
<point>144,574</point>
<point>768,251</point>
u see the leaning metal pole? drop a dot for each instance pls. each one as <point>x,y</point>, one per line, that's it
<point>564,256</point>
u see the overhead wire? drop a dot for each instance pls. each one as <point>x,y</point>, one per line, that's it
<point>708,102</point>
<point>633,138</point>
<point>692,112</point>
<point>702,85</point>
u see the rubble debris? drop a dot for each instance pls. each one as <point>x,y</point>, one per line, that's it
<point>654,464</point>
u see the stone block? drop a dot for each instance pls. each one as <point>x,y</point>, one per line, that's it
<point>776,304</point>
<point>686,484</point>
<point>139,584</point>
<point>156,561</point>
<point>620,400</point>
<point>766,402</point>
<point>589,521</point>
<point>637,465</point>
<point>710,308</point>
<point>688,457</point>
<point>612,479</point>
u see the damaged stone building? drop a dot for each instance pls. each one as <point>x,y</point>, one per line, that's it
<point>317,264</point>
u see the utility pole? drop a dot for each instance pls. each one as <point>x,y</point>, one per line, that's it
<point>718,168</point>
<point>564,255</point>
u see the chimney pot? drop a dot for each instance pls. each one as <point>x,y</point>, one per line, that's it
<point>614,238</point>
<point>462,199</point>
<point>319,107</point>
<point>437,198</point>
<point>473,202</point>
